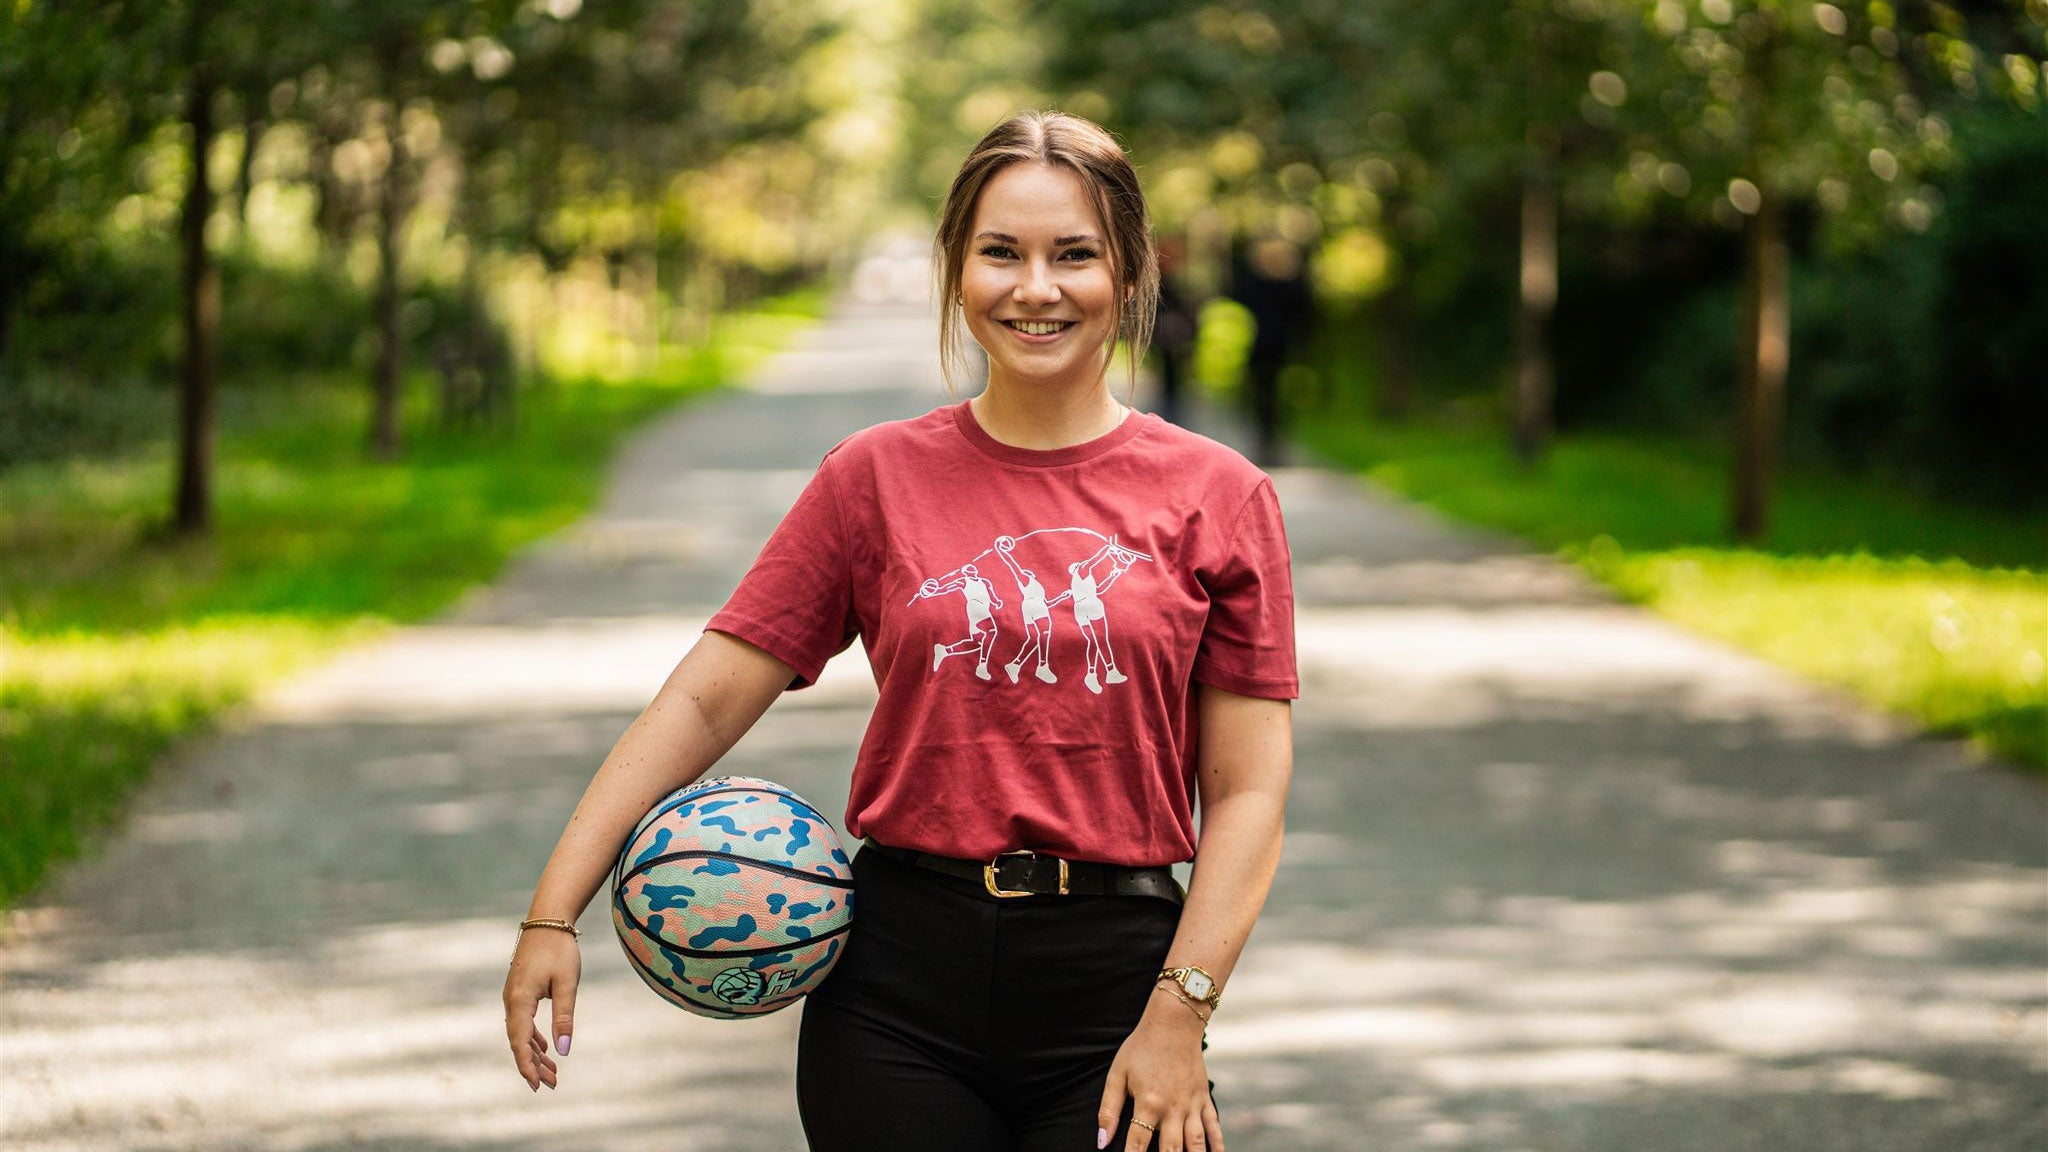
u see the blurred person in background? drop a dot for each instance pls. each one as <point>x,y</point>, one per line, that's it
<point>1178,323</point>
<point>1269,276</point>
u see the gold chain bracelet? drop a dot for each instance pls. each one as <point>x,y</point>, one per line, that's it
<point>1186,999</point>
<point>541,922</point>
<point>549,922</point>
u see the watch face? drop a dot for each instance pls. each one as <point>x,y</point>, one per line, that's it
<point>1198,985</point>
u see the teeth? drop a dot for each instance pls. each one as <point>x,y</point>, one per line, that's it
<point>1037,327</point>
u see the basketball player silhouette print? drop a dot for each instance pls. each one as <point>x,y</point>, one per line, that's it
<point>1090,614</point>
<point>1088,578</point>
<point>1037,616</point>
<point>981,624</point>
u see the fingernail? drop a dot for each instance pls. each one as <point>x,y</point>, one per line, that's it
<point>562,1044</point>
<point>1102,1138</point>
<point>536,1085</point>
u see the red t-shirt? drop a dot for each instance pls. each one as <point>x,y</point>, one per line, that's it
<point>1034,619</point>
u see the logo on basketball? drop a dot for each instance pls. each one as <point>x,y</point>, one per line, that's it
<point>745,986</point>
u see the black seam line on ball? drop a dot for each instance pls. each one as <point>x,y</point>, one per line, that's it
<point>691,797</point>
<point>763,950</point>
<point>619,876</point>
<point>703,854</point>
<point>721,1008</point>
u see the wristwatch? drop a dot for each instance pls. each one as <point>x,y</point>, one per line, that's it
<point>1197,983</point>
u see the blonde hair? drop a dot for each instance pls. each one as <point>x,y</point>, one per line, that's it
<point>1090,152</point>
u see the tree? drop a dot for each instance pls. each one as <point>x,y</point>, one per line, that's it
<point>1400,115</point>
<point>64,129</point>
<point>1515,95</point>
<point>1772,106</point>
<point>192,512</point>
<point>215,45</point>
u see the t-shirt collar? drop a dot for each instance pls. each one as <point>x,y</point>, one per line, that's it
<point>963,418</point>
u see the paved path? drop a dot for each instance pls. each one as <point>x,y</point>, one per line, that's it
<point>1559,876</point>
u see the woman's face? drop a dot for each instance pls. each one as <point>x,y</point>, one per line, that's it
<point>1035,284</point>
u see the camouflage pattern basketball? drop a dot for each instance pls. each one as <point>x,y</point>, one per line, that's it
<point>732,897</point>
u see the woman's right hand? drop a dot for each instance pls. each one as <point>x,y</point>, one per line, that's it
<point>546,965</point>
<point>714,695</point>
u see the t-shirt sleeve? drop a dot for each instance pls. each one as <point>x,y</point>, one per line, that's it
<point>796,602</point>
<point>1247,644</point>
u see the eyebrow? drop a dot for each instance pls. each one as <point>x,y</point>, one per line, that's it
<point>1057,241</point>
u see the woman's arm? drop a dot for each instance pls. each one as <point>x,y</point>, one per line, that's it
<point>1244,762</point>
<point>716,693</point>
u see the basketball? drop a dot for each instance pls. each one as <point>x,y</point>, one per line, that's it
<point>732,897</point>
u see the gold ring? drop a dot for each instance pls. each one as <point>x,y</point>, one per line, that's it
<point>1142,1124</point>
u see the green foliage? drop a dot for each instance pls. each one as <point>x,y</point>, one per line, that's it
<point>1222,345</point>
<point>1645,333</point>
<point>1990,312</point>
<point>1865,364</point>
<point>1918,359</point>
<point>1663,125</point>
<point>642,132</point>
<point>1957,647</point>
<point>63,129</point>
<point>94,341</point>
<point>114,643</point>
<point>81,723</point>
<point>89,375</point>
<point>101,310</point>
<point>280,322</point>
<point>49,415</point>
<point>1933,609</point>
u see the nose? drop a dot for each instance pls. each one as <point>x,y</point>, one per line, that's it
<point>1037,289</point>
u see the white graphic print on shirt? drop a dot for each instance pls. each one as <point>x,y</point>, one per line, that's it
<point>1093,563</point>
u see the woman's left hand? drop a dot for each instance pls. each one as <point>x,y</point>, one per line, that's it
<point>1160,1067</point>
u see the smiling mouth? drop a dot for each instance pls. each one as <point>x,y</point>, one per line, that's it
<point>1039,327</point>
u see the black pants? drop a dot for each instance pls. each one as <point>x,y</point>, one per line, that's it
<point>960,1022</point>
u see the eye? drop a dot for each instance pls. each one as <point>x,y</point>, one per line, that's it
<point>997,251</point>
<point>1083,253</point>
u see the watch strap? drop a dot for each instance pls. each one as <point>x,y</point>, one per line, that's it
<point>1179,976</point>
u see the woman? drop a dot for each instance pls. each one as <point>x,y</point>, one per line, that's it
<point>1024,972</point>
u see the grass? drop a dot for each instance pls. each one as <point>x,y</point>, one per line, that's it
<point>115,642</point>
<point>1935,611</point>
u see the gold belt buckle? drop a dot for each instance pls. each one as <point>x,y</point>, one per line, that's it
<point>988,874</point>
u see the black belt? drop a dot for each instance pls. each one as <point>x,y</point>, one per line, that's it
<point>1033,874</point>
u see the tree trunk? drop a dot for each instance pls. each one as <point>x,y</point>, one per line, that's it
<point>1535,380</point>
<point>1762,356</point>
<point>193,515</point>
<point>252,139</point>
<point>390,369</point>
<point>331,211</point>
